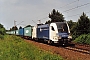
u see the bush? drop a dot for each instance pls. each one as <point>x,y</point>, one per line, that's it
<point>2,30</point>
<point>83,39</point>
<point>1,37</point>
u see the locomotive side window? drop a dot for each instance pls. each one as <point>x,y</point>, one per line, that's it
<point>52,28</point>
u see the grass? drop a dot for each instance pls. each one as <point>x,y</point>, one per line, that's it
<point>15,48</point>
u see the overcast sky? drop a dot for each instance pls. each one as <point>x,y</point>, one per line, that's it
<point>24,11</point>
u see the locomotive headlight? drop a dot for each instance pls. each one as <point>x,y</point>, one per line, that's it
<point>70,37</point>
<point>58,36</point>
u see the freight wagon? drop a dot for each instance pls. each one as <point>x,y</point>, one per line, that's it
<point>21,32</point>
<point>28,32</point>
<point>17,32</point>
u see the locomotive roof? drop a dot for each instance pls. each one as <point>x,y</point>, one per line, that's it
<point>42,26</point>
<point>47,25</point>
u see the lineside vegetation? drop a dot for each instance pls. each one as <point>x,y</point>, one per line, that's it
<point>15,48</point>
<point>83,39</point>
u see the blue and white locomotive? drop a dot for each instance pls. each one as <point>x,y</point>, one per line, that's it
<point>57,32</point>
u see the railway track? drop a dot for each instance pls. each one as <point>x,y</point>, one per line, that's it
<point>69,53</point>
<point>78,50</point>
<point>75,48</point>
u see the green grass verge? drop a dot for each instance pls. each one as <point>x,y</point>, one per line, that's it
<point>15,48</point>
<point>83,39</point>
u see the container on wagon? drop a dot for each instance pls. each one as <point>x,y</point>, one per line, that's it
<point>17,32</point>
<point>28,32</point>
<point>12,32</point>
<point>21,32</point>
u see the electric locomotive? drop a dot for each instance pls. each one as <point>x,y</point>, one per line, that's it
<point>56,32</point>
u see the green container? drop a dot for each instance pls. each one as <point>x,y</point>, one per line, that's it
<point>17,32</point>
<point>12,32</point>
<point>28,31</point>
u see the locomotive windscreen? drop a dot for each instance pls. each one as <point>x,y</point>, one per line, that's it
<point>62,27</point>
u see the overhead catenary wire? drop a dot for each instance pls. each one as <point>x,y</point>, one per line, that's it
<point>20,23</point>
<point>77,14</point>
<point>76,7</point>
<point>34,21</point>
<point>61,7</point>
<point>69,3</point>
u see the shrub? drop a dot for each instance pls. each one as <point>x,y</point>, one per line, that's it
<point>2,29</point>
<point>83,39</point>
<point>1,37</point>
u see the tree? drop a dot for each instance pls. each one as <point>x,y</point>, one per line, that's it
<point>14,28</point>
<point>47,22</point>
<point>72,26</point>
<point>2,30</point>
<point>71,23</point>
<point>55,16</point>
<point>83,24</point>
<point>20,27</point>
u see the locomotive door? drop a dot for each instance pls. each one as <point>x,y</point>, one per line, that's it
<point>52,33</point>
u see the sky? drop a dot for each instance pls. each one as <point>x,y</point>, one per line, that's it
<point>28,12</point>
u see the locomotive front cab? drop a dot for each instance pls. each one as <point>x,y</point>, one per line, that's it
<point>63,33</point>
<point>60,33</point>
